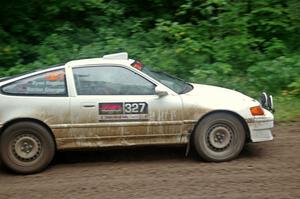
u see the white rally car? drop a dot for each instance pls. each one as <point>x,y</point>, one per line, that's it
<point>114,101</point>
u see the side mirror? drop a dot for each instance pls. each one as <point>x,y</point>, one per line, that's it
<point>160,91</point>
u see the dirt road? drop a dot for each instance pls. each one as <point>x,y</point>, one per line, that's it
<point>264,170</point>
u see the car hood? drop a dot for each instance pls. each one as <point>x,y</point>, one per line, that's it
<point>214,97</point>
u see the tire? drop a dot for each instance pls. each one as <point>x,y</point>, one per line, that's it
<point>26,147</point>
<point>219,137</point>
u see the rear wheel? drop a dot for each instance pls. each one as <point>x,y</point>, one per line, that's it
<point>219,137</point>
<point>26,147</point>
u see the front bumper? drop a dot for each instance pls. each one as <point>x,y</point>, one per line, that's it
<point>260,127</point>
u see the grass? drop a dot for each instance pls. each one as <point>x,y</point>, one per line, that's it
<point>287,108</point>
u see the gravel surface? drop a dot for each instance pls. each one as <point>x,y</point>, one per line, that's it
<point>263,170</point>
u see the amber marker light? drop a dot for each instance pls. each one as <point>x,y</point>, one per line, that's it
<point>256,110</point>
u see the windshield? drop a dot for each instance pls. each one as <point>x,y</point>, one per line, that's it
<point>175,84</point>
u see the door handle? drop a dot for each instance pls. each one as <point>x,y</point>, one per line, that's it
<point>88,106</point>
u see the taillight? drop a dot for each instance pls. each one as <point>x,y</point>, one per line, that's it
<point>257,110</point>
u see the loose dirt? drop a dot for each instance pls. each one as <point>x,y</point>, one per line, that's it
<point>263,170</point>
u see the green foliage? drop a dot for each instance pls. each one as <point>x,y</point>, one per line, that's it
<point>251,46</point>
<point>279,74</point>
<point>287,108</point>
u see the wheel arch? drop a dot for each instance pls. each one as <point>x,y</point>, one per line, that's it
<point>239,117</point>
<point>17,120</point>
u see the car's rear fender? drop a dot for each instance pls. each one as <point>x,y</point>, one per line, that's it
<point>16,120</point>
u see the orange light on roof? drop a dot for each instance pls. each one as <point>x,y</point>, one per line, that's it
<point>257,110</point>
<point>138,65</point>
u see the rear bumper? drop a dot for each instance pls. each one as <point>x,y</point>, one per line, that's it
<point>260,128</point>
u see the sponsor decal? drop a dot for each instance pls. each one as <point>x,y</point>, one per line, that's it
<point>123,111</point>
<point>123,117</point>
<point>110,108</point>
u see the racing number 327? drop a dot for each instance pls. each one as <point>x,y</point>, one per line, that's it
<point>135,108</point>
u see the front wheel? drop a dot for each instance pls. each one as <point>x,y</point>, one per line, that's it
<point>26,147</point>
<point>219,137</point>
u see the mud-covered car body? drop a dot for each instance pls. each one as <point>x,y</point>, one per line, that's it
<point>109,102</point>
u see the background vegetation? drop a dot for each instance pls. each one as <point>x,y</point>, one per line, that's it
<point>248,45</point>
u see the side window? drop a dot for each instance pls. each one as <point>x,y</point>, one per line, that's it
<point>50,83</point>
<point>110,80</point>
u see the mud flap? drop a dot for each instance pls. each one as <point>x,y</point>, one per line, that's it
<point>188,145</point>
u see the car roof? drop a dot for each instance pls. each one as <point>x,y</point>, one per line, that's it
<point>117,58</point>
<point>95,61</point>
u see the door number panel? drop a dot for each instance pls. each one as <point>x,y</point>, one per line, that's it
<point>117,111</point>
<point>135,108</point>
